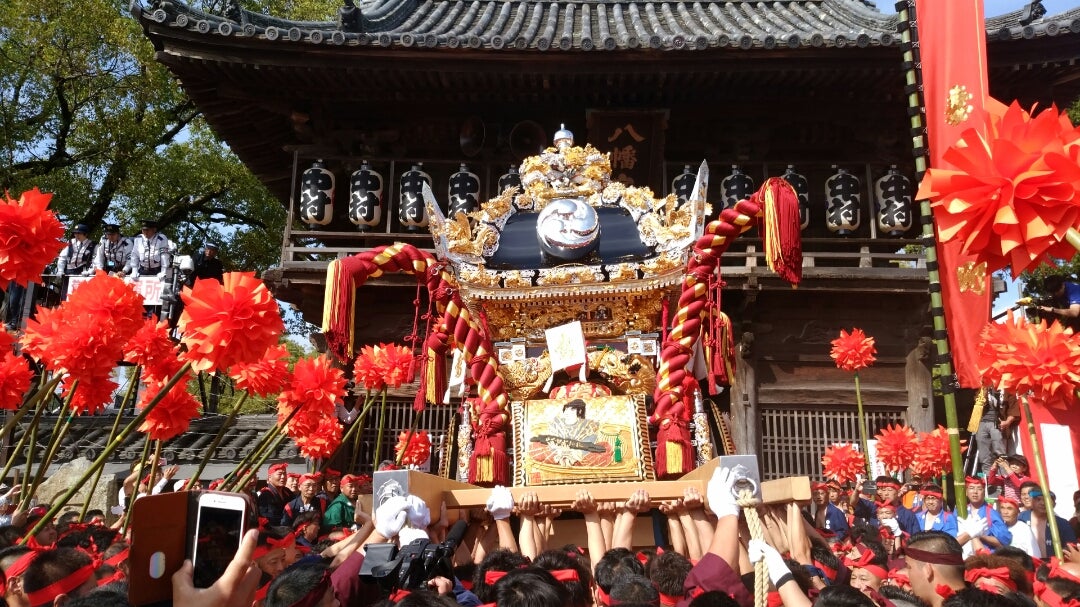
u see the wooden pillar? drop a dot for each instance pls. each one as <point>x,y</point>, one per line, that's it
<point>918,380</point>
<point>744,412</point>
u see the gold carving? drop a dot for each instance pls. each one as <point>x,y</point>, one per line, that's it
<point>972,277</point>
<point>958,107</point>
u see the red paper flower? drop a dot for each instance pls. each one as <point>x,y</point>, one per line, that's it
<point>6,341</point>
<point>230,323</point>
<point>29,237</point>
<point>1020,357</point>
<point>853,351</point>
<point>317,387</point>
<point>1015,192</point>
<point>843,463</point>
<point>265,376</point>
<point>384,365</point>
<point>323,441</point>
<point>896,447</point>
<point>172,416</point>
<point>149,344</point>
<point>15,376</point>
<point>93,393</point>
<point>110,302</point>
<point>933,457</point>
<point>417,448</point>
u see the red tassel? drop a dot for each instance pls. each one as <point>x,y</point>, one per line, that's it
<point>665,321</point>
<point>782,232</point>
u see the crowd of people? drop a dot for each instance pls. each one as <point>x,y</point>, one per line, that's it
<point>885,544</point>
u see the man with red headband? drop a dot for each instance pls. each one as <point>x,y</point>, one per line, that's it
<point>935,563</point>
<point>934,516</point>
<point>273,497</point>
<point>997,534</point>
<point>888,490</point>
<point>61,573</point>
<point>341,512</point>
<point>307,501</point>
<point>331,484</point>
<point>1022,538</point>
<point>826,516</point>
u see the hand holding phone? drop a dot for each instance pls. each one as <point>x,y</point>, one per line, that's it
<point>220,522</point>
<point>235,588</point>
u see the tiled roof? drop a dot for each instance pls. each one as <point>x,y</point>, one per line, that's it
<point>567,25</point>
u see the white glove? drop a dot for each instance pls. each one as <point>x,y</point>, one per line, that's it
<point>161,276</point>
<point>118,510</point>
<point>892,525</point>
<point>720,495</point>
<point>87,272</point>
<point>974,526</point>
<point>390,517</point>
<point>419,514</point>
<point>758,549</point>
<point>409,535</point>
<point>501,503</point>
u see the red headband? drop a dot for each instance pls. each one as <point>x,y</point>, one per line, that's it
<point>866,562</point>
<point>932,493</point>
<point>490,577</point>
<point>935,558</point>
<point>19,566</point>
<point>272,544</point>
<point>900,578</point>
<point>1008,500</point>
<point>1055,570</point>
<point>329,473</point>
<point>279,466</point>
<point>315,595</point>
<point>64,585</point>
<point>973,480</point>
<point>565,575</point>
<point>828,571</point>
<point>668,601</point>
<point>1047,595</point>
<point>888,485</point>
<point>309,477</point>
<point>119,557</point>
<point>1000,574</point>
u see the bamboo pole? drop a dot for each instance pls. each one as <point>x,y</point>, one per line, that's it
<point>250,474</point>
<point>107,452</point>
<point>31,444</point>
<point>1044,483</point>
<point>382,429</point>
<point>416,422</point>
<point>132,382</point>
<point>33,403</point>
<point>217,441</point>
<point>862,429</point>
<point>909,38</point>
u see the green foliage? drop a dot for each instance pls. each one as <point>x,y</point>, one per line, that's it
<point>253,404</point>
<point>88,114</point>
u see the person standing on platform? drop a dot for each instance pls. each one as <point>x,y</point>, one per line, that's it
<point>150,255</point>
<point>77,258</point>
<point>1065,301</point>
<point>207,265</point>
<point>113,252</point>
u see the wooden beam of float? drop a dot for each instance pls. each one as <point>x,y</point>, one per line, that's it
<point>435,489</point>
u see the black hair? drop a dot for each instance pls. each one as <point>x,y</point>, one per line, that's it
<point>9,535</point>
<point>632,588</point>
<point>881,557</point>
<point>899,596</point>
<point>800,575</point>
<point>425,598</point>
<point>938,542</point>
<point>304,518</point>
<point>1026,484</point>
<point>974,597</point>
<point>842,596</point>
<point>578,405</point>
<point>1018,555</point>
<point>581,590</point>
<point>614,563</point>
<point>993,561</point>
<point>295,583</point>
<point>500,560</point>
<point>51,566</point>
<point>13,553</point>
<point>1067,589</point>
<point>713,598</point>
<point>100,598</point>
<point>884,478</point>
<point>1052,283</point>
<point>863,532</point>
<point>530,587</point>
<point>668,571</point>
<point>821,553</point>
<point>65,520</point>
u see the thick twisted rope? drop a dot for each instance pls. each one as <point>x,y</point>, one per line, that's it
<point>753,522</point>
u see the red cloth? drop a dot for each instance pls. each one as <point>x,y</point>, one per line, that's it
<point>952,38</point>
<point>713,573</point>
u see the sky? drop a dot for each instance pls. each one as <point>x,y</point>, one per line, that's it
<point>998,7</point>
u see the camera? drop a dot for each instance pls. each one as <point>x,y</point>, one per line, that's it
<point>411,566</point>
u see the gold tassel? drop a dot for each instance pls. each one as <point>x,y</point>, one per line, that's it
<point>432,392</point>
<point>674,452</point>
<point>330,295</point>
<point>977,410</point>
<point>484,469</point>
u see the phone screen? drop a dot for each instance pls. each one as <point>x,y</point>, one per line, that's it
<point>217,539</point>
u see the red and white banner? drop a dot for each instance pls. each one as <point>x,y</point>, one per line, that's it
<point>149,287</point>
<point>952,39</point>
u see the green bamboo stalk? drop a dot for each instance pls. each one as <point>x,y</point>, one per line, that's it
<point>52,448</point>
<point>217,441</point>
<point>19,447</point>
<point>862,428</point>
<point>356,429</point>
<point>1040,469</point>
<point>245,463</point>
<point>416,422</point>
<point>132,382</point>
<point>382,429</point>
<point>912,77</point>
<point>107,452</point>
<point>45,387</point>
<point>252,470</point>
<point>31,446</point>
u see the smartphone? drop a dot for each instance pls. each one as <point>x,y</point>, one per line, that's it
<point>220,522</point>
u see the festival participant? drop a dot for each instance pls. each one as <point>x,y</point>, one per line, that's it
<point>272,498</point>
<point>869,568</point>
<point>306,528</point>
<point>1025,494</point>
<point>935,562</point>
<point>1037,519</point>
<point>150,252</point>
<point>303,584</point>
<point>331,484</point>
<point>1074,522</point>
<point>997,575</point>
<point>54,576</point>
<point>888,489</point>
<point>341,511</point>
<point>1065,306</point>
<point>892,537</point>
<point>207,264</point>
<point>77,258</point>
<point>998,533</point>
<point>825,515</point>
<point>292,483</point>
<point>1022,537</point>
<point>1009,473</point>
<point>836,495</point>
<point>307,501</point>
<point>934,516</point>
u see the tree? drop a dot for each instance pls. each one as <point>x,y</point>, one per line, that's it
<point>86,113</point>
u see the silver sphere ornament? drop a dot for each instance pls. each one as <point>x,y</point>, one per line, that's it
<point>568,229</point>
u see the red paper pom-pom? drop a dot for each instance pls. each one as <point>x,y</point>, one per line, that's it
<point>843,463</point>
<point>416,447</point>
<point>933,457</point>
<point>29,237</point>
<point>896,447</point>
<point>1021,357</point>
<point>227,323</point>
<point>853,351</point>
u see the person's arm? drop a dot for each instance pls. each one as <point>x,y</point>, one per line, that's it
<point>235,588</point>
<point>675,530</point>
<point>500,505</point>
<point>586,505</point>
<point>527,511</point>
<point>779,574</point>
<point>607,512</point>
<point>689,531</point>
<point>623,535</point>
<point>695,506</point>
